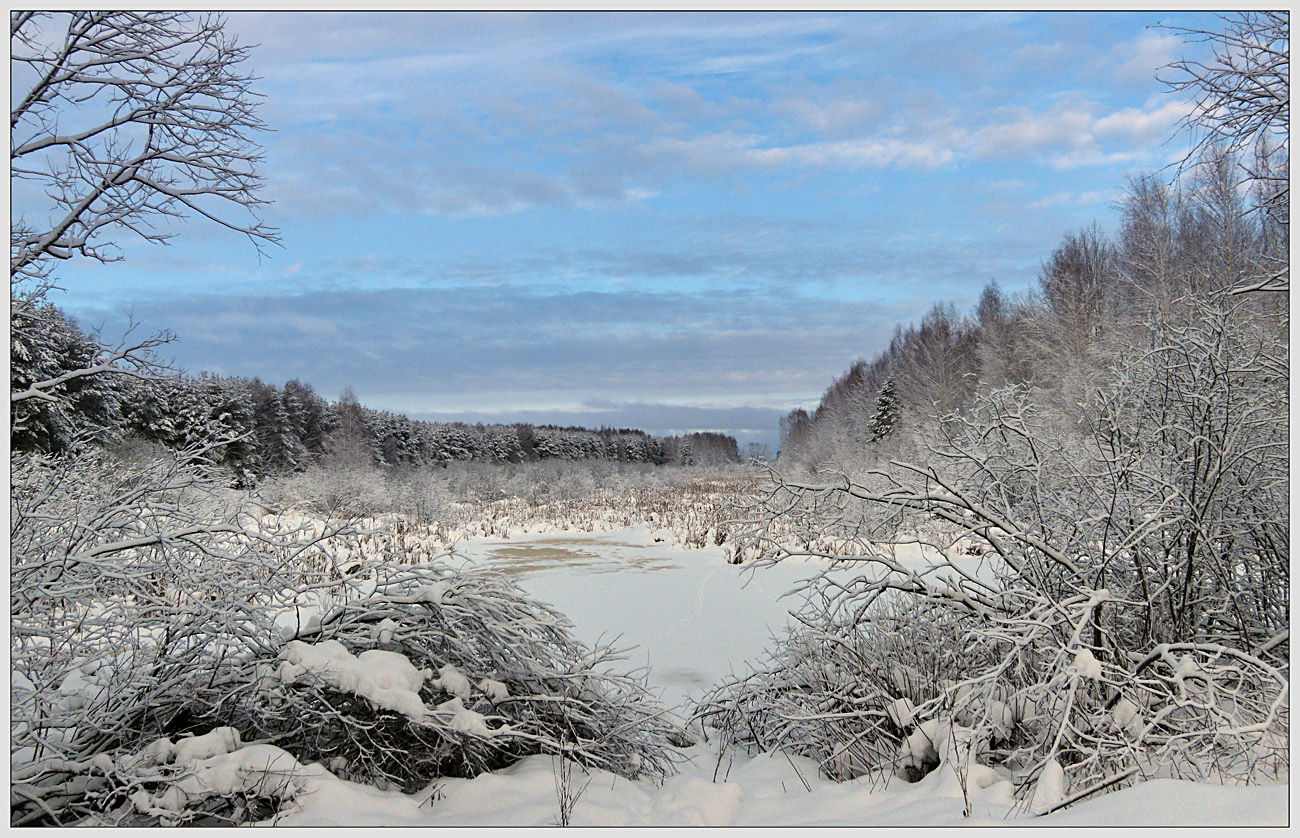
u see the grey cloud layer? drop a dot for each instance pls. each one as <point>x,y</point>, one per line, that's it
<point>417,349</point>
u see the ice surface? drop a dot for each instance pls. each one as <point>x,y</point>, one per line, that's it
<point>693,617</point>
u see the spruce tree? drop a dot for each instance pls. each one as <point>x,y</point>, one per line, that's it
<point>886,415</point>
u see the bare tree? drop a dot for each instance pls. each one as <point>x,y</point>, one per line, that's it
<point>1242,100</point>
<point>936,359</point>
<point>129,119</point>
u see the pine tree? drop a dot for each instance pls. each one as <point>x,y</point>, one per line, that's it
<point>886,415</point>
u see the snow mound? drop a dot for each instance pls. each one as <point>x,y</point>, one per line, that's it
<point>451,681</point>
<point>254,770</point>
<point>388,679</point>
<point>495,690</point>
<point>1086,665</point>
<point>222,740</point>
<point>1050,788</point>
<point>464,720</point>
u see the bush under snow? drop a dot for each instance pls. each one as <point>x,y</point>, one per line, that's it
<point>148,604</point>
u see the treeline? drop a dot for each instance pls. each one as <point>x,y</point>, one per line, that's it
<point>278,430</point>
<point>1097,298</point>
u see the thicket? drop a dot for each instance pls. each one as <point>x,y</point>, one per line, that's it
<point>690,507</point>
<point>150,606</point>
<point>1070,555</point>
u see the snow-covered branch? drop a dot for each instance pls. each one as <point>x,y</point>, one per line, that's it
<point>129,118</point>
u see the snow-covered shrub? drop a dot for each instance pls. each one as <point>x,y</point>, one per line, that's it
<point>693,506</point>
<point>149,602</point>
<point>137,591</point>
<point>1117,576</point>
<point>842,689</point>
<point>419,495</point>
<point>427,672</point>
<point>335,491</point>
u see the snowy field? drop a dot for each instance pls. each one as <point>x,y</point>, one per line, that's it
<point>695,618</point>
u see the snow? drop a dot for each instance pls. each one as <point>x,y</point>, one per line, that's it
<point>920,749</point>
<point>18,682</point>
<point>1179,803</point>
<point>222,740</point>
<point>464,720</point>
<point>697,618</point>
<point>1049,790</point>
<point>495,690</point>
<point>1086,665</point>
<point>901,711</point>
<point>256,769</point>
<point>692,617</point>
<point>1127,716</point>
<point>451,681</point>
<point>382,632</point>
<point>388,679</point>
<point>432,592</point>
<point>763,790</point>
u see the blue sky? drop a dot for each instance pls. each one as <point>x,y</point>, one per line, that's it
<point>672,221</point>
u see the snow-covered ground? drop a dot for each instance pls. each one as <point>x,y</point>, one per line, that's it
<point>696,618</point>
<point>766,790</point>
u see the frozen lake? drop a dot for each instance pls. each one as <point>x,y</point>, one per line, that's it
<point>693,617</point>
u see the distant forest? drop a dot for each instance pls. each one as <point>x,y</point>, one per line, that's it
<point>277,430</point>
<point>1100,301</point>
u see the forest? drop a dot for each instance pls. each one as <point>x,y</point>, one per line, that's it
<point>276,430</point>
<point>1049,536</point>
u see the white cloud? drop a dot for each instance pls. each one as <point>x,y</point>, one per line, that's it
<point>1139,126</point>
<point>1080,133</point>
<point>1139,59</point>
<point>722,152</point>
<point>839,118</point>
<point>866,153</point>
<point>1091,155</point>
<point>1056,199</point>
<point>1098,196</point>
<point>1023,132</point>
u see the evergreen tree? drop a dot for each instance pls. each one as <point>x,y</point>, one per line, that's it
<point>45,345</point>
<point>886,415</point>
